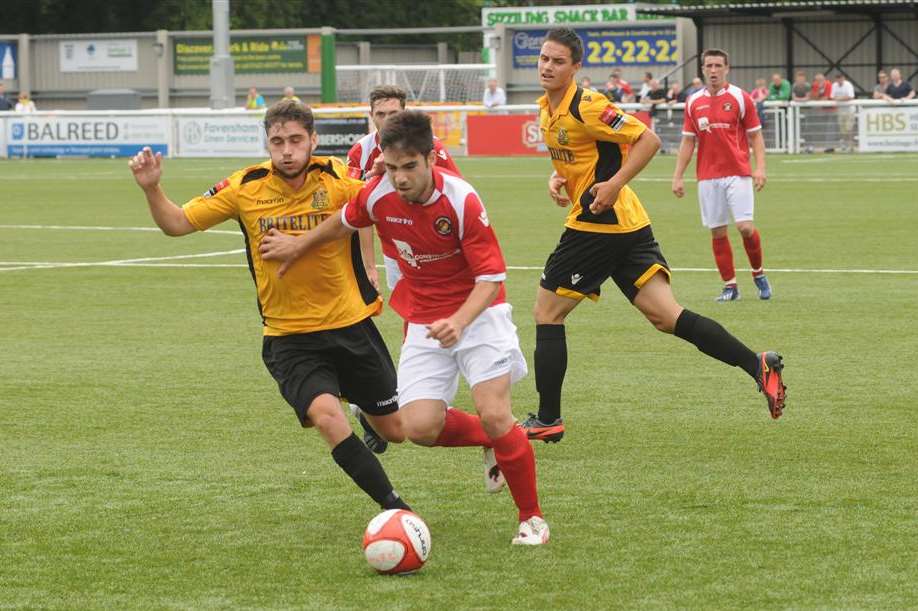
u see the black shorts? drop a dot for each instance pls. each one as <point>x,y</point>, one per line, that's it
<point>350,362</point>
<point>583,260</point>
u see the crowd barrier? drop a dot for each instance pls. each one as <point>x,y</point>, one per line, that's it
<point>862,125</point>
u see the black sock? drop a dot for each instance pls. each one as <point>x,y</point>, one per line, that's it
<point>712,339</point>
<point>550,365</point>
<point>363,467</point>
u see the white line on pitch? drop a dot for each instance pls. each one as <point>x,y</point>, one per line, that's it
<point>100,228</point>
<point>115,262</point>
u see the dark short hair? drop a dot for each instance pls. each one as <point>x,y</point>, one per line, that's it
<point>408,131</point>
<point>568,38</point>
<point>290,110</point>
<point>388,92</point>
<point>715,53</point>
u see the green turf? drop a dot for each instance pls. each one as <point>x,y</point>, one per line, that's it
<point>148,462</point>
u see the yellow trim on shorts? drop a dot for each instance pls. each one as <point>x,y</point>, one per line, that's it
<point>653,269</point>
<point>563,292</point>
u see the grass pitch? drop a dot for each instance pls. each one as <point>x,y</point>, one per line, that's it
<point>148,462</point>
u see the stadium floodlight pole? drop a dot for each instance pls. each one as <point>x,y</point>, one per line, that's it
<point>222,70</point>
<point>329,78</point>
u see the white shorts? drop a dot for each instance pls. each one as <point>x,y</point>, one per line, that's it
<point>721,198</point>
<point>488,349</point>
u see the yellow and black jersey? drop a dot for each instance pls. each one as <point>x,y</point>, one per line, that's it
<point>588,138</point>
<point>328,287</point>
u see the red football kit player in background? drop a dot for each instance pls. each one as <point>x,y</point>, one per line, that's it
<point>364,161</point>
<point>452,296</point>
<point>723,120</point>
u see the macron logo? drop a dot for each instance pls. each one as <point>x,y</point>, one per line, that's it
<point>575,278</point>
<point>483,217</point>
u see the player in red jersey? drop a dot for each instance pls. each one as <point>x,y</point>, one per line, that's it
<point>452,296</point>
<point>723,120</point>
<point>364,161</point>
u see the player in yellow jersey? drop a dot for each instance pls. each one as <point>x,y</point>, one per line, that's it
<point>596,150</point>
<point>319,341</point>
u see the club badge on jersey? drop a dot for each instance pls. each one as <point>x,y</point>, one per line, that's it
<point>217,188</point>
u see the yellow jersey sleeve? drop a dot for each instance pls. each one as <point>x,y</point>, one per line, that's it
<point>606,122</point>
<point>218,204</point>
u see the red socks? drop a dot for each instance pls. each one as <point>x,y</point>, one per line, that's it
<point>723,256</point>
<point>753,246</point>
<point>517,462</point>
<point>462,429</point>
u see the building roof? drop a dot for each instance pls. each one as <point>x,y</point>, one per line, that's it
<point>810,8</point>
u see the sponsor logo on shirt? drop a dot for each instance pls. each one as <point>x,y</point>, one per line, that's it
<point>398,220</point>
<point>443,225</point>
<point>280,199</point>
<point>217,188</point>
<point>565,155</point>
<point>407,254</point>
<point>703,124</point>
<point>612,118</point>
<point>483,217</point>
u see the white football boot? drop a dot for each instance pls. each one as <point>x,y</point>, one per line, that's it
<point>493,478</point>
<point>533,531</point>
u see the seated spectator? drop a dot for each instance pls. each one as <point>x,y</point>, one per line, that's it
<point>760,92</point>
<point>5,104</point>
<point>254,101</point>
<point>694,88</point>
<point>618,89</point>
<point>821,88</point>
<point>289,95</point>
<point>879,90</point>
<point>898,88</point>
<point>494,96</point>
<point>800,92</point>
<point>25,104</point>
<point>676,94</point>
<point>779,90</point>
<point>586,83</point>
<point>656,95</point>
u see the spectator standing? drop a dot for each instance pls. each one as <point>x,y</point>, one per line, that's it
<point>656,95</point>
<point>25,104</point>
<point>898,88</point>
<point>800,92</point>
<point>694,87</point>
<point>645,88</point>
<point>618,89</point>
<point>821,89</point>
<point>879,90</point>
<point>758,95</point>
<point>254,101</point>
<point>779,90</point>
<point>289,95</point>
<point>843,91</point>
<point>494,96</point>
<point>5,104</point>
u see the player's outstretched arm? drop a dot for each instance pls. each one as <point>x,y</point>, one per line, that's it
<point>683,158</point>
<point>148,169</point>
<point>642,151</point>
<point>279,246</point>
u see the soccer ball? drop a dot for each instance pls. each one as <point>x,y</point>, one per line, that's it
<point>396,541</point>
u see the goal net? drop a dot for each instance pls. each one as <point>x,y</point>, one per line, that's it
<point>452,83</point>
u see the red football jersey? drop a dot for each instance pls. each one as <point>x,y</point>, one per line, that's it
<point>366,150</point>
<point>720,123</point>
<point>442,246</point>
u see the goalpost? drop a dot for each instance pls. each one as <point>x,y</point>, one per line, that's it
<point>424,83</point>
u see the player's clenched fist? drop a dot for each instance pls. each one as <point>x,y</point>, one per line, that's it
<point>147,168</point>
<point>445,331</point>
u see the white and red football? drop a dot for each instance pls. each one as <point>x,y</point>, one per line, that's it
<point>396,541</point>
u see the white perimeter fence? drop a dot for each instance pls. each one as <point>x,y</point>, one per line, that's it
<point>861,125</point>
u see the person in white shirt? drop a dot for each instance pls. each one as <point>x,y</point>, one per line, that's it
<point>494,96</point>
<point>843,91</point>
<point>25,104</point>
